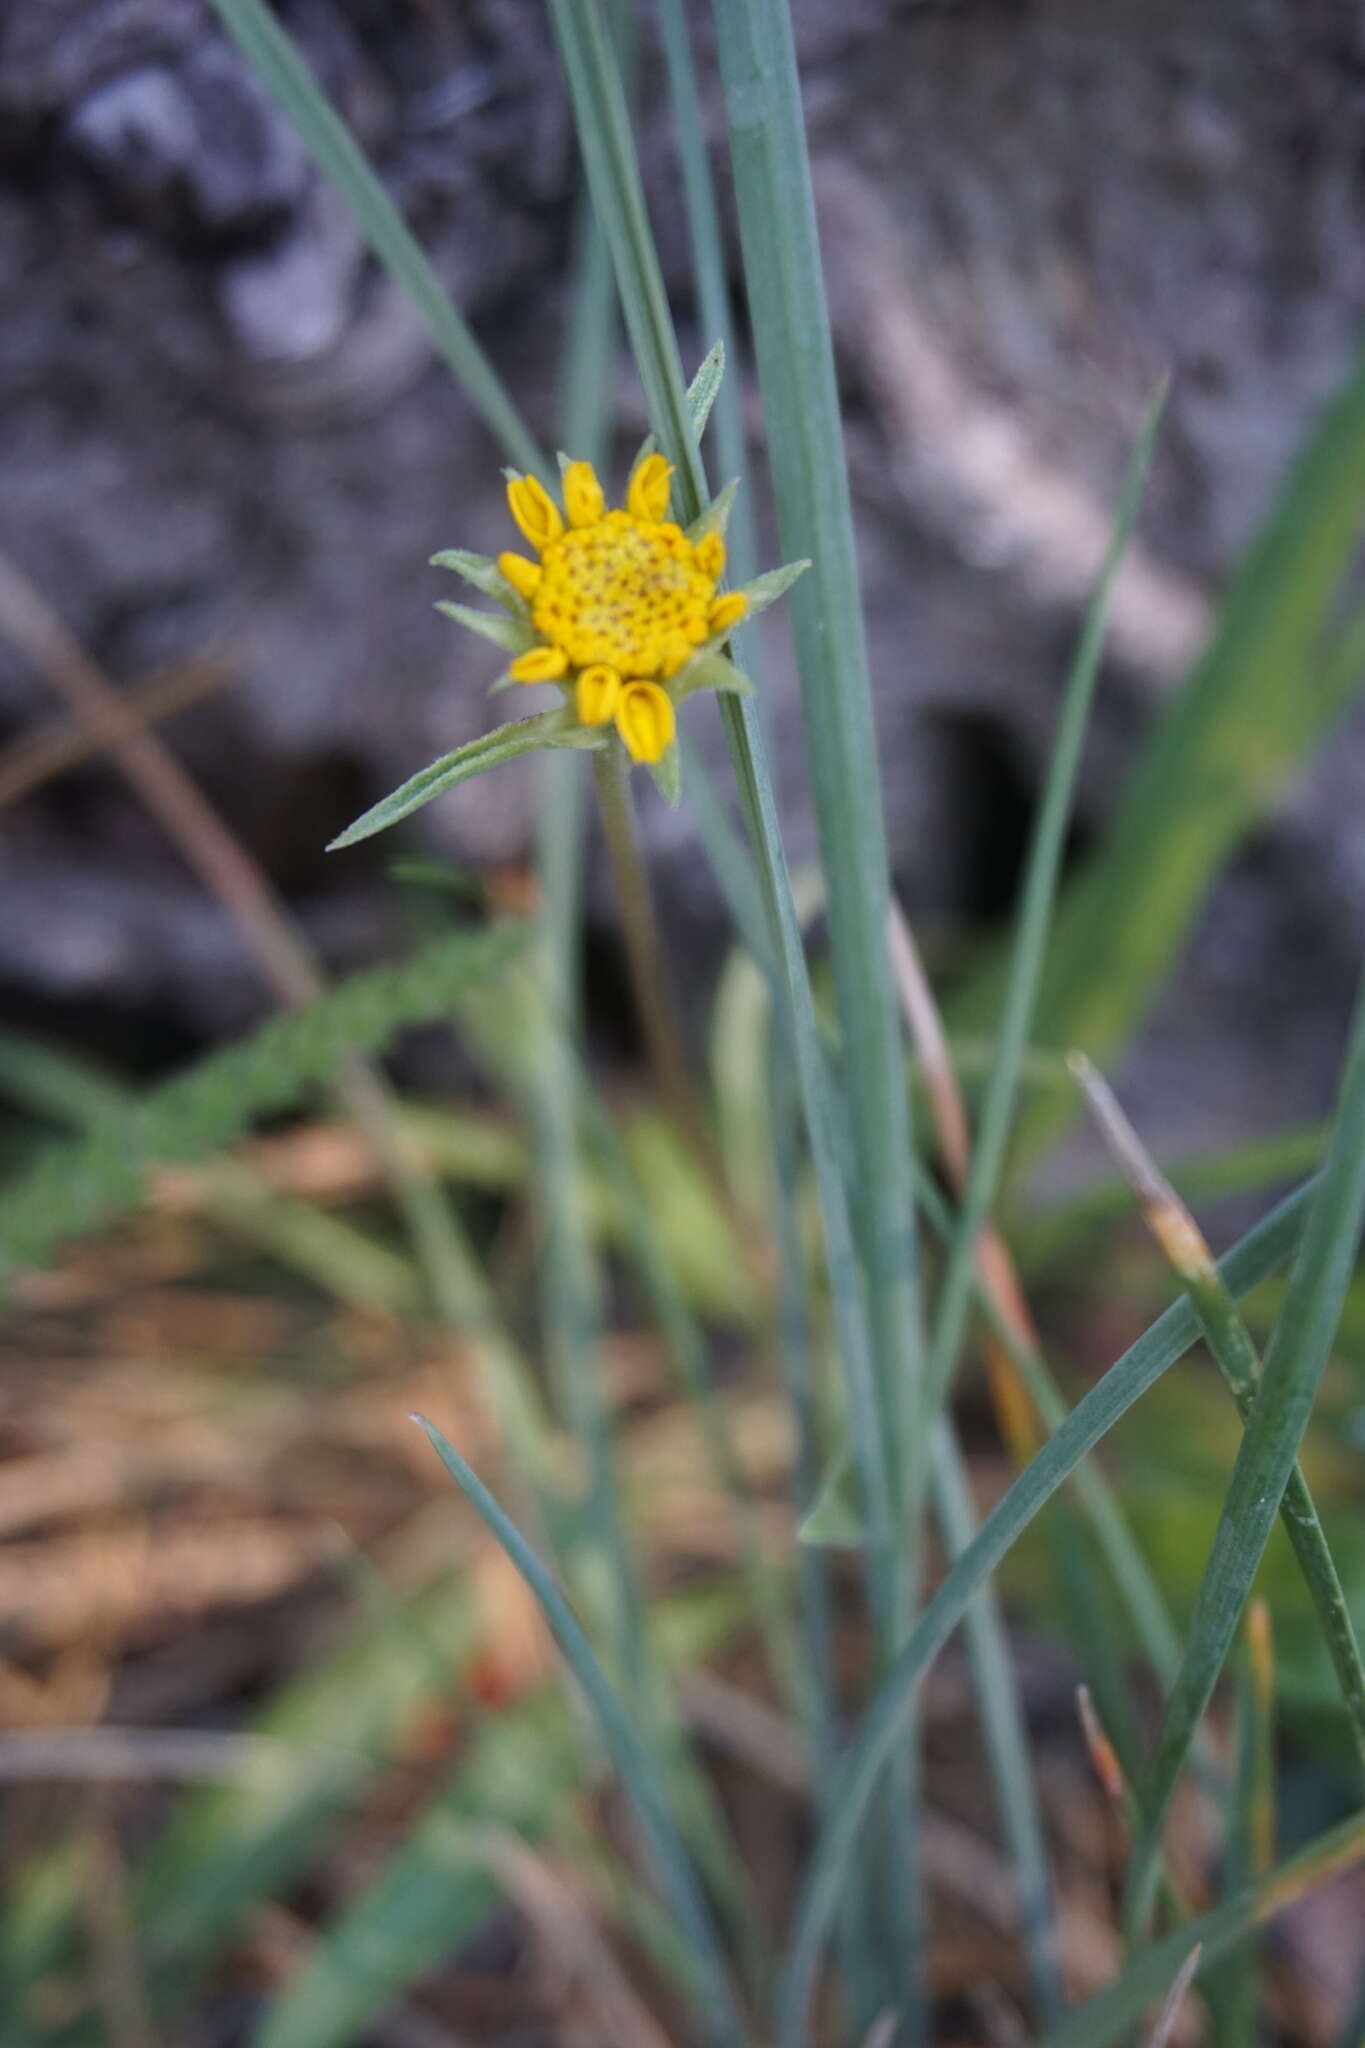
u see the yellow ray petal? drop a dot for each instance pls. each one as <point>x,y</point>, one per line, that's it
<point>539,665</point>
<point>583,497</point>
<point>534,510</point>
<point>596,695</point>
<point>647,496</point>
<point>645,720</point>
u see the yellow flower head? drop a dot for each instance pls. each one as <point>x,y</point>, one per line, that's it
<point>619,600</point>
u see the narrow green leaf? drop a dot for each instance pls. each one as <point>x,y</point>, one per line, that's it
<point>716,517</point>
<point>72,1186</point>
<point>1031,934</point>
<point>699,399</point>
<point>513,635</point>
<point>850,1795</point>
<point>1116,2010</point>
<point>267,46</point>
<point>1273,678</point>
<point>1002,1719</point>
<point>714,1998</point>
<point>774,583</point>
<point>710,672</point>
<point>557,728</point>
<point>666,773</point>
<point>702,391</point>
<point>1294,1362</point>
<point>484,574</point>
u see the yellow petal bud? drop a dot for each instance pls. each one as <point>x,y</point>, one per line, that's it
<point>539,665</point>
<point>728,611</point>
<point>645,720</point>
<point>534,510</point>
<point>711,555</point>
<point>583,499</point>
<point>647,497</point>
<point>596,695</point>
<point>523,576</point>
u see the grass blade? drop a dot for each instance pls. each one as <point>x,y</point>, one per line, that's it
<point>1249,1261</point>
<point>1260,697</point>
<point>266,45</point>
<point>1007,1748</point>
<point>1121,2005</point>
<point>1294,1363</point>
<point>713,1996</point>
<point>785,287</point>
<point>1234,1354</point>
<point>1031,933</point>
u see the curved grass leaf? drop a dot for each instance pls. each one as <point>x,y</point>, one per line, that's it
<point>1294,1363</point>
<point>1250,1260</point>
<point>1116,2010</point>
<point>557,728</point>
<point>268,47</point>
<point>712,1994</point>
<point>73,1185</point>
<point>1263,694</point>
<point>1031,934</point>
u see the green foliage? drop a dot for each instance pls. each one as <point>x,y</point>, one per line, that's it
<point>74,1185</point>
<point>545,730</point>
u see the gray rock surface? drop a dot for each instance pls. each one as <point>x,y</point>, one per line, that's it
<point>222,425</point>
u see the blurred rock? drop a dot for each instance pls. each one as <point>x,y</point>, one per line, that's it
<point>223,423</point>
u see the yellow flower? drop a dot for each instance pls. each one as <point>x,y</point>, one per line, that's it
<point>614,595</point>
<point>616,606</point>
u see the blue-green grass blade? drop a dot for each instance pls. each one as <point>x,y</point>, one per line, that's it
<point>268,47</point>
<point>1294,1362</point>
<point>1031,932</point>
<point>521,1770</point>
<point>1274,676</point>
<point>709,271</point>
<point>785,290</point>
<point>1249,1261</point>
<point>1117,2010</point>
<point>1006,1738</point>
<point>712,1994</point>
<point>613,174</point>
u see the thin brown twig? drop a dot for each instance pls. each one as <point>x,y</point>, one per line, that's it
<point>228,872</point>
<point>30,762</point>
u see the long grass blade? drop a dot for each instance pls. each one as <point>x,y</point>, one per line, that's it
<point>1250,1260</point>
<point>1274,676</point>
<point>1031,932</point>
<point>614,179</point>
<point>712,1992</point>
<point>1234,1353</point>
<point>1119,2008</point>
<point>1294,1363</point>
<point>785,288</point>
<point>1002,1718</point>
<point>277,61</point>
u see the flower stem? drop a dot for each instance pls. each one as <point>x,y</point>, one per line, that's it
<point>644,957</point>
